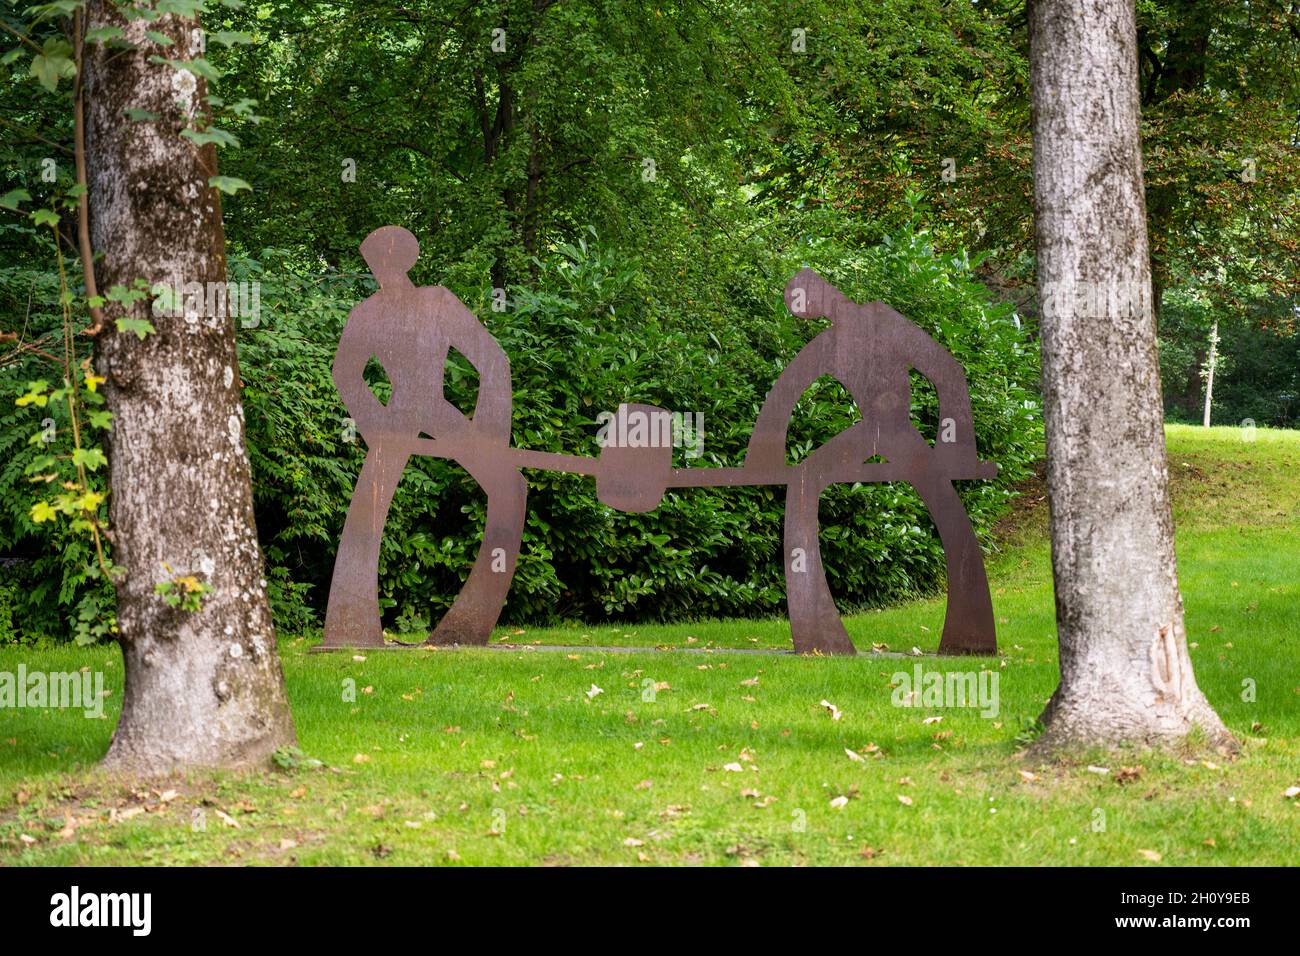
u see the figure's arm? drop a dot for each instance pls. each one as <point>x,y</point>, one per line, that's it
<point>949,380</point>
<point>767,444</point>
<point>495,397</point>
<point>350,362</point>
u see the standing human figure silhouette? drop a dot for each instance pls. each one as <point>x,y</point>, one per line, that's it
<point>410,330</point>
<point>870,349</point>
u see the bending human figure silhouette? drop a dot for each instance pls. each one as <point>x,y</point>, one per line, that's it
<point>869,349</point>
<point>410,331</point>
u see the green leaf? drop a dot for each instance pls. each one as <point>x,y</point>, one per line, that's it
<point>121,294</point>
<point>90,458</point>
<point>228,184</point>
<point>182,8</point>
<point>104,34</point>
<point>41,511</point>
<point>161,39</point>
<point>231,37</point>
<point>210,135</point>
<point>11,199</point>
<point>198,66</point>
<point>141,327</point>
<point>54,9</point>
<point>138,116</point>
<point>53,63</point>
<point>45,217</point>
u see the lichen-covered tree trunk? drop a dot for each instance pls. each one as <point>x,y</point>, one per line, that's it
<point>203,688</point>
<point>1126,676</point>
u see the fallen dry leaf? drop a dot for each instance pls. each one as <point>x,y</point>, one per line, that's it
<point>227,819</point>
<point>831,709</point>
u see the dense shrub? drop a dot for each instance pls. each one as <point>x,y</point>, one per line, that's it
<point>44,583</point>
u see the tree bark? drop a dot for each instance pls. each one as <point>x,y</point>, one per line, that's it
<point>203,688</point>
<point>1126,676</point>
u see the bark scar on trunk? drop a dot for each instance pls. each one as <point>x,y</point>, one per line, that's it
<point>1166,666</point>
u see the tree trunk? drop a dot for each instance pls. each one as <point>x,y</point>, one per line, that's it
<point>203,688</point>
<point>1209,372</point>
<point>1125,672</point>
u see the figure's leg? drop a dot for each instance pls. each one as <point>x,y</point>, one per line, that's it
<point>815,623</point>
<point>968,624</point>
<point>474,613</point>
<point>352,616</point>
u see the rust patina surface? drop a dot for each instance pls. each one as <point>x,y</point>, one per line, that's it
<point>869,348</point>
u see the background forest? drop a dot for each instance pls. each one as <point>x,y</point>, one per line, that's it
<point>640,181</point>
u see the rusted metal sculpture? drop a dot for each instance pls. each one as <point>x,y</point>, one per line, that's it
<point>868,348</point>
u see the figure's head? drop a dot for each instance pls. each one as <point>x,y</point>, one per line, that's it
<point>809,296</point>
<point>390,251</point>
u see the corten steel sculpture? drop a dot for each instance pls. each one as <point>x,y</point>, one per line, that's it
<point>868,348</point>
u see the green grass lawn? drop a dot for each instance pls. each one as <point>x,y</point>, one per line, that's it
<point>592,756</point>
